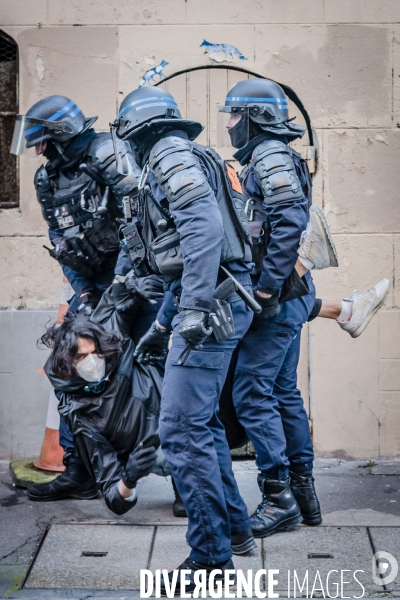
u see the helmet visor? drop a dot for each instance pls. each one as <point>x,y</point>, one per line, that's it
<point>121,151</point>
<point>27,133</point>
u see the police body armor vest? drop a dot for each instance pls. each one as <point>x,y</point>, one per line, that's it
<point>71,205</point>
<point>66,202</point>
<point>155,240</point>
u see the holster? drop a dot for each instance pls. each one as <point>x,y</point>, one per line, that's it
<point>102,235</point>
<point>260,236</point>
<point>135,248</point>
<point>221,318</point>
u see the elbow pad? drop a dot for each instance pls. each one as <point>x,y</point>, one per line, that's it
<point>178,172</point>
<point>276,172</point>
<point>103,162</point>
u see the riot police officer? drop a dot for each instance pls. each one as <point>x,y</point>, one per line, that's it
<point>188,227</point>
<point>266,398</point>
<point>80,192</point>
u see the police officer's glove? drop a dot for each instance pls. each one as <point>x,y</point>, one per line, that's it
<point>124,303</point>
<point>140,463</point>
<point>270,307</point>
<point>88,302</point>
<point>144,288</point>
<point>153,345</point>
<point>194,328</point>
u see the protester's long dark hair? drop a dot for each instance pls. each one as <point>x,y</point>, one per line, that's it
<point>63,340</point>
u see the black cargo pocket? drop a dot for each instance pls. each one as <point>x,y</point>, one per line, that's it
<point>192,389</point>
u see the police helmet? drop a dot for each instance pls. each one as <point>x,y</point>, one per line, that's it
<point>149,108</point>
<point>263,102</point>
<point>264,99</point>
<point>55,118</point>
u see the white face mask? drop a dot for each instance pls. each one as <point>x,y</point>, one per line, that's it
<point>92,368</point>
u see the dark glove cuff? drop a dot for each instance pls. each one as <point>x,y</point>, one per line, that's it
<point>270,306</point>
<point>266,302</point>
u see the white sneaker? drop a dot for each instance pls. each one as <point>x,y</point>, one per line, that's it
<point>316,249</point>
<point>365,305</point>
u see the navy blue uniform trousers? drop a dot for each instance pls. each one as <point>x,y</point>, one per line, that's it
<point>265,395</point>
<point>194,443</point>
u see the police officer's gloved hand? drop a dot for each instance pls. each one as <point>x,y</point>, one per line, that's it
<point>140,463</point>
<point>125,304</point>
<point>144,288</point>
<point>270,307</point>
<point>194,328</point>
<point>153,345</point>
<point>88,302</point>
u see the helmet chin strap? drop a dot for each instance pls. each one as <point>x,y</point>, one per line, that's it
<point>60,150</point>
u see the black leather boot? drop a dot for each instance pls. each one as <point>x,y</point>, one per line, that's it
<point>243,543</point>
<point>190,567</point>
<point>178,507</point>
<point>74,483</point>
<point>278,510</point>
<point>302,486</point>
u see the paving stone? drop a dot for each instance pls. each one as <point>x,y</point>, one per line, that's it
<point>171,549</point>
<point>388,540</point>
<point>349,546</point>
<point>60,563</point>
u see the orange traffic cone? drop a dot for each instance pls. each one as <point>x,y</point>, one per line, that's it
<point>52,453</point>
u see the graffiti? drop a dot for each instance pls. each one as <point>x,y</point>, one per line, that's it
<point>222,52</point>
<point>150,74</point>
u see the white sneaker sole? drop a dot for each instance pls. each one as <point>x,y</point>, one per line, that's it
<point>364,324</point>
<point>331,246</point>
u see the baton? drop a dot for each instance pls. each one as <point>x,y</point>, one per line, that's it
<point>245,296</point>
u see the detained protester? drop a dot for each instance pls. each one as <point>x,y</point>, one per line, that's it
<point>80,193</point>
<point>191,221</point>
<point>290,238</point>
<point>110,403</point>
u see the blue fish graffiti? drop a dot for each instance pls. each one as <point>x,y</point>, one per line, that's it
<point>222,52</point>
<point>150,74</point>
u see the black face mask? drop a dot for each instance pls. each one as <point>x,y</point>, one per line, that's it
<point>239,134</point>
<point>51,152</point>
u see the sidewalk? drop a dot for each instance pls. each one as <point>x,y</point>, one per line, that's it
<point>361,512</point>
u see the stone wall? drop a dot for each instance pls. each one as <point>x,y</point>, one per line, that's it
<point>342,58</point>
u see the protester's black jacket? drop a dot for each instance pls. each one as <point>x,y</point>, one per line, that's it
<point>108,426</point>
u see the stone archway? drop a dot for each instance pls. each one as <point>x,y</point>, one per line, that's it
<point>202,90</point>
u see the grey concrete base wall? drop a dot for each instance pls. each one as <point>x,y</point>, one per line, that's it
<point>24,392</point>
